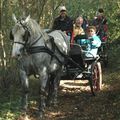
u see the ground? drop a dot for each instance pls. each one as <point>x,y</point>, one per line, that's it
<point>75,101</point>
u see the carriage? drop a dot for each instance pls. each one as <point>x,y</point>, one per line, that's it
<point>79,68</point>
<point>83,68</point>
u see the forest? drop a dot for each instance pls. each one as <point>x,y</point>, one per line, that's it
<point>105,106</point>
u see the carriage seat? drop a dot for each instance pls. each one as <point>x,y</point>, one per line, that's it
<point>76,54</point>
<point>75,50</point>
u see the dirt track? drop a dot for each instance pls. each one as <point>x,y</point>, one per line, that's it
<point>75,102</point>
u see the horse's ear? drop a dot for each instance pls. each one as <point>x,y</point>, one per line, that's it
<point>14,18</point>
<point>27,19</point>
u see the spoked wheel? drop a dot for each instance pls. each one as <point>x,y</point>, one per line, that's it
<point>96,78</point>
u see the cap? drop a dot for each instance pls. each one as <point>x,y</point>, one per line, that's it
<point>62,8</point>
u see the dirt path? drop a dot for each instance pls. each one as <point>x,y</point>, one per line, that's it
<point>77,103</point>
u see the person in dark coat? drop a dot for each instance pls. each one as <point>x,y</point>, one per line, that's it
<point>63,22</point>
<point>100,22</point>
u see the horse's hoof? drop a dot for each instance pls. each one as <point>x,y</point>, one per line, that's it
<point>41,115</point>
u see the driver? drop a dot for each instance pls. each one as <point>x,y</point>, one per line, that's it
<point>63,22</point>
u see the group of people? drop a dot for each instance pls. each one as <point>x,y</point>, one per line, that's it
<point>95,33</point>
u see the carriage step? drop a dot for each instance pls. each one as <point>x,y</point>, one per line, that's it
<point>86,72</point>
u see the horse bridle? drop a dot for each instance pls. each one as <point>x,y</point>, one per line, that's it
<point>26,35</point>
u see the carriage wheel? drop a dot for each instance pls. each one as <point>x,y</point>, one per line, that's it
<point>96,77</point>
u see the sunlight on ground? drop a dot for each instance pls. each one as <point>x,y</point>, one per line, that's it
<point>53,114</point>
<point>80,85</point>
<point>24,118</point>
<point>72,83</point>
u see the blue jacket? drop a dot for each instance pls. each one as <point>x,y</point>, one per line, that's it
<point>91,44</point>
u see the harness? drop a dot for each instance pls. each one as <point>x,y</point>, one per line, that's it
<point>38,49</point>
<point>30,49</point>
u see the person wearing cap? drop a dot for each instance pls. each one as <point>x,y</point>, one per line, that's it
<point>63,22</point>
<point>100,22</point>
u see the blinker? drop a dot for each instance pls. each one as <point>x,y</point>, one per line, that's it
<point>11,35</point>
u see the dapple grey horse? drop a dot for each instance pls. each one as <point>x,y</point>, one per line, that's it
<point>38,54</point>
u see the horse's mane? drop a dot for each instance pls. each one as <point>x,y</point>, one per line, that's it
<point>35,28</point>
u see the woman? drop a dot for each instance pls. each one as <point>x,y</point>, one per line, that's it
<point>77,29</point>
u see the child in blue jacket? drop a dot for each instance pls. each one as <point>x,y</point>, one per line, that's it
<point>91,44</point>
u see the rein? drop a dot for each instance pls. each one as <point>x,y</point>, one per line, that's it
<point>24,44</point>
<point>20,43</point>
<point>38,49</point>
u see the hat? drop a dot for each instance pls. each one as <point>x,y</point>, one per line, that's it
<point>62,8</point>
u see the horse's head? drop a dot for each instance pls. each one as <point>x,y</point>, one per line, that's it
<point>20,35</point>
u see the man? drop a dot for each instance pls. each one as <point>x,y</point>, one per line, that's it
<point>100,22</point>
<point>63,21</point>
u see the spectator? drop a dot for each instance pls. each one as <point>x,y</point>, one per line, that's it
<point>85,23</point>
<point>100,22</point>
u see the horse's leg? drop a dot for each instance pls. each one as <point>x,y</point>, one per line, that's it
<point>56,83</point>
<point>43,93</point>
<point>49,89</point>
<point>25,86</point>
